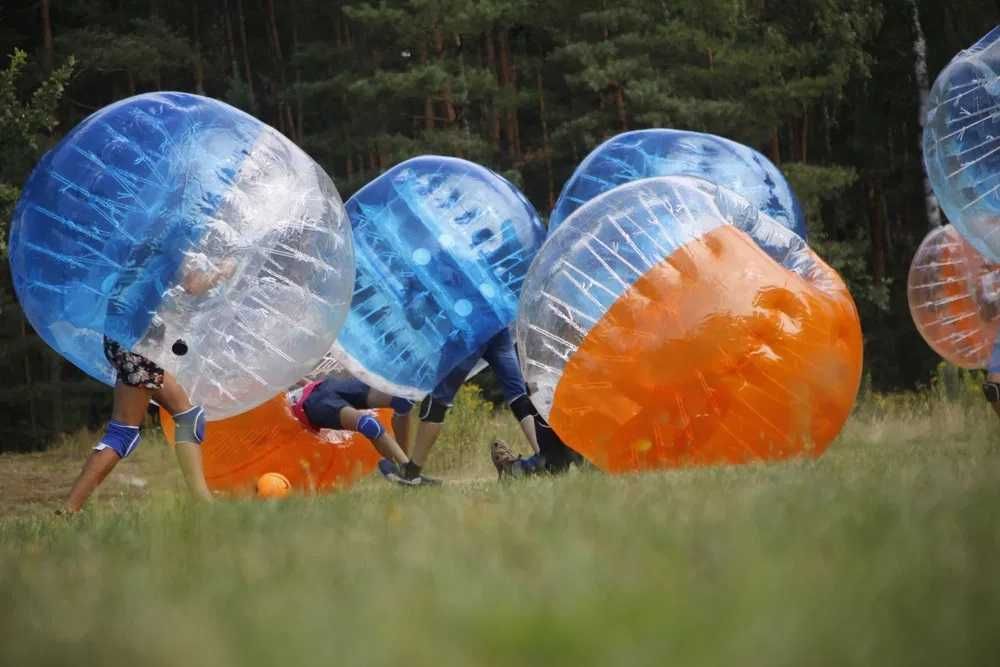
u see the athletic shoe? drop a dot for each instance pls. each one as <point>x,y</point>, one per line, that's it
<point>534,465</point>
<point>393,473</point>
<point>505,460</point>
<point>415,477</point>
<point>390,471</point>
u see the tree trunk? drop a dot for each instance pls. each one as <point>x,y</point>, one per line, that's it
<point>804,136</point>
<point>507,82</point>
<point>272,25</point>
<point>491,63</point>
<point>299,113</point>
<point>463,102</point>
<point>47,50</point>
<point>923,88</point>
<point>775,148</point>
<point>32,416</point>
<point>348,157</point>
<point>230,44</point>
<point>284,109</point>
<point>338,38</point>
<point>546,146</point>
<point>877,231</point>
<point>56,411</point>
<point>620,107</point>
<point>246,53</point>
<point>199,70</point>
<point>428,100</point>
<point>449,107</point>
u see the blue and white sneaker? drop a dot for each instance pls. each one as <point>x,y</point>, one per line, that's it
<point>390,471</point>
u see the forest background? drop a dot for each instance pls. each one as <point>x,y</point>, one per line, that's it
<point>830,90</point>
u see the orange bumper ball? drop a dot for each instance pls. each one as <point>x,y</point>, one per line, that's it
<point>269,439</point>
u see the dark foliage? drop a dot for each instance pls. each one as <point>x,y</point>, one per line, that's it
<point>826,88</point>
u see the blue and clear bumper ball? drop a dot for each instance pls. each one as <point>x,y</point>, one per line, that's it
<point>442,247</point>
<point>190,233</point>
<point>962,143</point>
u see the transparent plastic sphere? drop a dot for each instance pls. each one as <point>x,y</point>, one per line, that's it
<point>954,297</point>
<point>656,331</point>
<point>442,247</point>
<point>962,143</point>
<point>191,233</point>
<point>648,153</point>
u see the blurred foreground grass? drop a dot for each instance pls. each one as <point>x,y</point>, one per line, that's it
<point>884,551</point>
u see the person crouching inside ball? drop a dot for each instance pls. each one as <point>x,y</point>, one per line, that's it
<point>987,295</point>
<point>140,380</point>
<point>340,403</point>
<point>501,356</point>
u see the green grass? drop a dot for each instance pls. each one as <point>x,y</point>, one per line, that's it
<point>885,551</point>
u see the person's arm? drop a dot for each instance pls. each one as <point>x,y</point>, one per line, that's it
<point>197,281</point>
<point>189,460</point>
<point>95,469</point>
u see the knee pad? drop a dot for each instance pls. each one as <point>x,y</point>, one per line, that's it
<point>370,427</point>
<point>991,390</point>
<point>189,426</point>
<point>523,407</point>
<point>120,437</point>
<point>433,411</point>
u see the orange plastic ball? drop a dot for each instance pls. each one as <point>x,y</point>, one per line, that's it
<point>273,485</point>
<point>668,323</point>
<point>954,297</point>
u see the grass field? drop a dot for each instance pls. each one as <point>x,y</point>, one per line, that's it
<point>885,551</point>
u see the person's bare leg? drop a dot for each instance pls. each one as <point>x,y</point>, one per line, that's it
<point>385,443</point>
<point>130,405</point>
<point>528,428</point>
<point>401,427</point>
<point>427,435</point>
<point>97,466</point>
<point>175,400</point>
<point>400,423</point>
<point>172,396</point>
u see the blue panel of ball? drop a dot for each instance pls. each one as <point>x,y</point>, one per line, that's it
<point>962,143</point>
<point>99,232</point>
<point>442,246</point>
<point>648,153</point>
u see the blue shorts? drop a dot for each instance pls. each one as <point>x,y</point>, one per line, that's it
<point>500,355</point>
<point>330,396</point>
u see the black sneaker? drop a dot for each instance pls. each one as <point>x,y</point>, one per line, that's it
<point>414,476</point>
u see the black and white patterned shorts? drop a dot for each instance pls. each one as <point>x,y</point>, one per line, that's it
<point>133,369</point>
